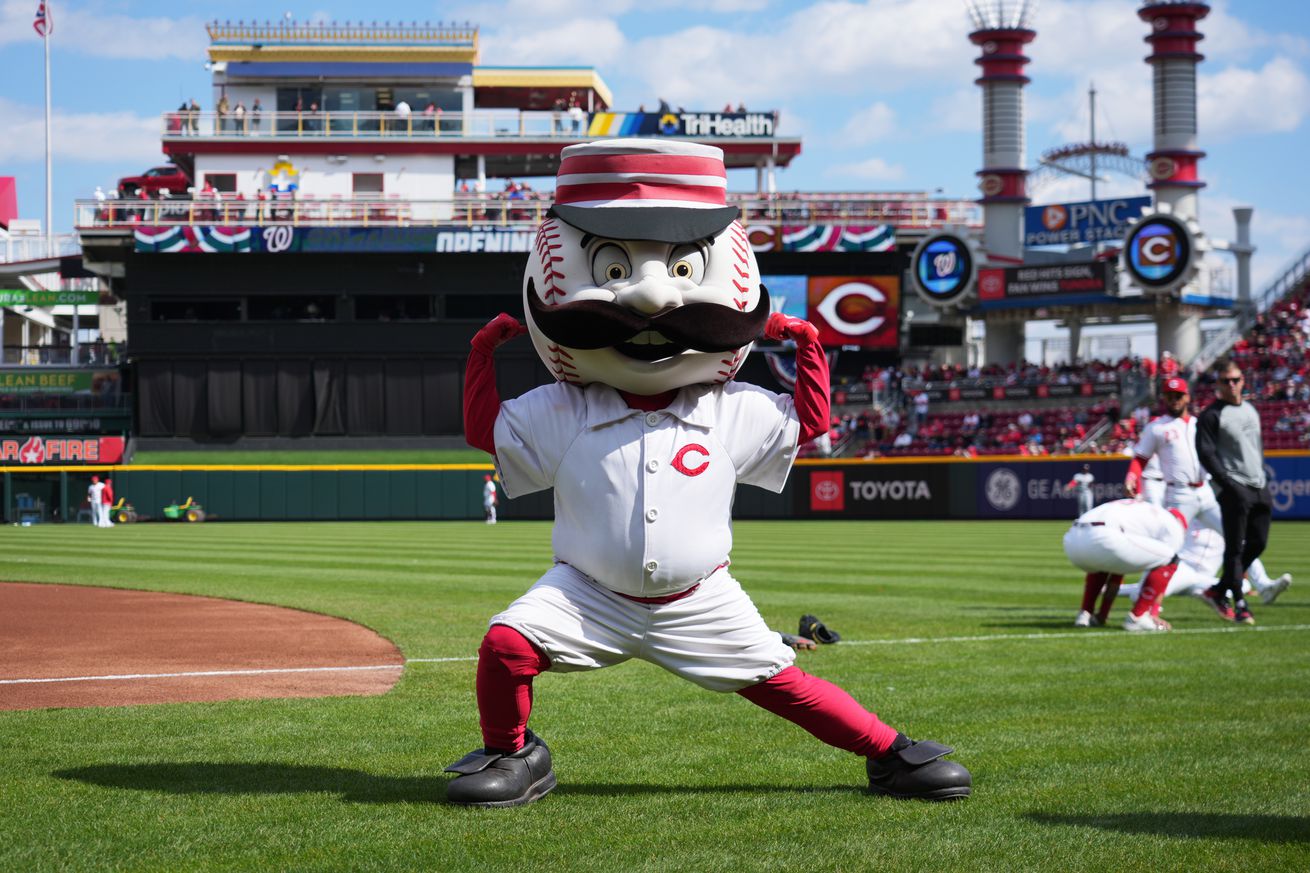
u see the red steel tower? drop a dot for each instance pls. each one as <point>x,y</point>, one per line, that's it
<point>1173,59</point>
<point>1001,32</point>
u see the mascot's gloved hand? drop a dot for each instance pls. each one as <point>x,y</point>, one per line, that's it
<point>498,331</point>
<point>781,327</point>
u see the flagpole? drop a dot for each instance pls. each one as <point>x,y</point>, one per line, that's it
<point>49,214</point>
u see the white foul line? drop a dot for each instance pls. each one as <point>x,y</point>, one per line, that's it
<point>200,673</point>
<point>987,638</point>
<point>1086,635</point>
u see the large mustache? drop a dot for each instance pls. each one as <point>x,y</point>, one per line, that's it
<point>599,324</point>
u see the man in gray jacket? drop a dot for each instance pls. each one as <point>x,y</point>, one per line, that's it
<point>1230,447</point>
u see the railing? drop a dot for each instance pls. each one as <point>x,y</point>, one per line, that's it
<point>1296,274</point>
<point>323,33</point>
<point>35,248</point>
<point>85,355</point>
<point>303,210</point>
<point>417,124</point>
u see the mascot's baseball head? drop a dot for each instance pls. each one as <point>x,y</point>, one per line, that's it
<point>641,277</point>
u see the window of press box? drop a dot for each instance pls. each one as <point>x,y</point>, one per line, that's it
<point>224,183</point>
<point>393,307</point>
<point>482,307</point>
<point>191,309</point>
<point>365,183</point>
<point>297,307</point>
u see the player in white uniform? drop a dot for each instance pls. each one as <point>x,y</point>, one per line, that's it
<point>643,298</point>
<point>95,496</point>
<point>489,499</point>
<point>1082,485</point>
<point>1198,564</point>
<point>1172,437</point>
<point>1121,537</point>
<point>1153,481</point>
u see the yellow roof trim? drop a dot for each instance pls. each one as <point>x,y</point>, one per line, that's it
<point>542,77</point>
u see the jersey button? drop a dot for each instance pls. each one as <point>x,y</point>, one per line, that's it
<point>652,566</point>
<point>652,514</point>
<point>652,465</point>
<point>652,419</point>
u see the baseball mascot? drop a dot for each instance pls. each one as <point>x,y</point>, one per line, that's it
<point>643,298</point>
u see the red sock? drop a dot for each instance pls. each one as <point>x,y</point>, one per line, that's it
<point>1092,585</point>
<point>1153,588</point>
<point>1113,581</point>
<point>506,664</point>
<point>824,710</point>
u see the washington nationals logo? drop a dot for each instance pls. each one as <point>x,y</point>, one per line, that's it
<point>680,459</point>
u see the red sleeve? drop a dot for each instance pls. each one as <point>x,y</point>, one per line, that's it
<point>1135,470</point>
<point>812,388</point>
<point>481,401</point>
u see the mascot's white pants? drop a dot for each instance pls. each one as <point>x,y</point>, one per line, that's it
<point>1106,548</point>
<point>714,637</point>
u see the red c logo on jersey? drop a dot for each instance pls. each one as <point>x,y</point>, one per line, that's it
<point>680,464</point>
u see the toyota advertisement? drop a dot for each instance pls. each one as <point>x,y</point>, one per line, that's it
<point>873,491</point>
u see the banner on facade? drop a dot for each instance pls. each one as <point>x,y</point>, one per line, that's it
<point>873,491</point>
<point>27,297</point>
<point>36,451</point>
<point>32,380</point>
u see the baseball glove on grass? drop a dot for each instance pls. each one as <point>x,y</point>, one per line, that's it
<point>813,629</point>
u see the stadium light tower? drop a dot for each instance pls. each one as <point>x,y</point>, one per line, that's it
<point>1001,31</point>
<point>1173,59</point>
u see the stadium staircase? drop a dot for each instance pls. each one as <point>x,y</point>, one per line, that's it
<point>1296,274</point>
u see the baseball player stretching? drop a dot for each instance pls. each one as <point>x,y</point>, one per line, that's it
<point>1120,537</point>
<point>644,299</point>
<point>1200,561</point>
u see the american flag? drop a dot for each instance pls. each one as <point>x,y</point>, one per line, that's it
<point>43,25</point>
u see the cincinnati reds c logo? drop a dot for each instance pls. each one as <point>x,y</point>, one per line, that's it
<point>680,464</point>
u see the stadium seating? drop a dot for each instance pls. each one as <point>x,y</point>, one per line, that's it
<point>1273,354</point>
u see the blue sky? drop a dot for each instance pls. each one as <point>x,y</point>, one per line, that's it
<point>881,92</point>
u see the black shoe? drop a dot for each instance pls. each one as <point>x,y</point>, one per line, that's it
<point>813,629</point>
<point>1217,598</point>
<point>1241,614</point>
<point>490,778</point>
<point>917,771</point>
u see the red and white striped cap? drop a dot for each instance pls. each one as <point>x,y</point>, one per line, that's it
<point>665,190</point>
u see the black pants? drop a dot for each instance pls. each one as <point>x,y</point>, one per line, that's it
<point>1246,512</point>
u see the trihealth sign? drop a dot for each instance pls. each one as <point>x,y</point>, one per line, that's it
<point>1083,222</point>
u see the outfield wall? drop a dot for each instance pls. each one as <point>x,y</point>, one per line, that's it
<point>937,488</point>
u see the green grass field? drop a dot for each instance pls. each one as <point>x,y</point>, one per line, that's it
<point>1091,750</point>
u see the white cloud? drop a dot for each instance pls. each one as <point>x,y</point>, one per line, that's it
<point>90,137</point>
<point>823,47</point>
<point>870,124</point>
<point>1242,102</point>
<point>586,41</point>
<point>960,111</point>
<point>1278,236</point>
<point>89,31</point>
<point>871,170</point>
